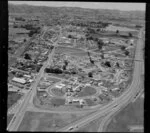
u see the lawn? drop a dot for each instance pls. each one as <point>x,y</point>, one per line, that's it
<point>133,114</point>
<point>40,121</point>
<point>87,91</point>
<point>13,97</point>
<point>57,92</point>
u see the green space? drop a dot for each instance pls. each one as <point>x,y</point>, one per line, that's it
<point>86,91</point>
<point>12,98</point>
<point>57,101</point>
<point>90,102</point>
<point>40,121</point>
<point>52,79</point>
<point>133,114</point>
<point>9,118</point>
<point>57,92</point>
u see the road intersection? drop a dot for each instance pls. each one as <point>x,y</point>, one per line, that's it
<point>99,111</point>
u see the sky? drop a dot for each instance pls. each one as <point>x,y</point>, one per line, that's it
<point>93,5</point>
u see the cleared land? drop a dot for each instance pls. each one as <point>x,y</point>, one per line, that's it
<point>35,121</point>
<point>13,97</point>
<point>133,114</point>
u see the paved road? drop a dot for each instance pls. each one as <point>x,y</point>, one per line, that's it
<point>125,98</point>
<point>18,116</point>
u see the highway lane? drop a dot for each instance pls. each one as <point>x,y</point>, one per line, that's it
<point>122,99</point>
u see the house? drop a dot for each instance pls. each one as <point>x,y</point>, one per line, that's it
<point>19,80</point>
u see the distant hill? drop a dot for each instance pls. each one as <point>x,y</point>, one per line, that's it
<point>76,11</point>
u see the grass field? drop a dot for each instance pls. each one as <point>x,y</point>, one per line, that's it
<point>79,54</point>
<point>35,121</point>
<point>57,92</point>
<point>9,117</point>
<point>90,102</point>
<point>13,31</point>
<point>13,97</point>
<point>67,50</point>
<point>57,101</point>
<point>86,91</point>
<point>52,79</point>
<point>114,28</point>
<point>133,114</point>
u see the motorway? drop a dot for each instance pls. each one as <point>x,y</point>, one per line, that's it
<point>124,99</point>
<point>112,107</point>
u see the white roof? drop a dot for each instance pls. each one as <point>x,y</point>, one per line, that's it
<point>20,80</point>
<point>58,86</point>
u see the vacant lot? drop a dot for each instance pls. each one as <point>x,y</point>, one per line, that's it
<point>35,121</point>
<point>87,91</point>
<point>13,97</point>
<point>133,114</point>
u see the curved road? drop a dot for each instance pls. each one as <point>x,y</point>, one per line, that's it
<point>114,105</point>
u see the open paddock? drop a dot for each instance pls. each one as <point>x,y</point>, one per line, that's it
<point>40,121</point>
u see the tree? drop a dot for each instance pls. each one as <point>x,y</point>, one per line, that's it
<point>90,74</point>
<point>69,36</point>
<point>130,34</point>
<point>27,56</point>
<point>100,44</point>
<point>123,48</point>
<point>107,63</point>
<point>126,53</point>
<point>117,31</point>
